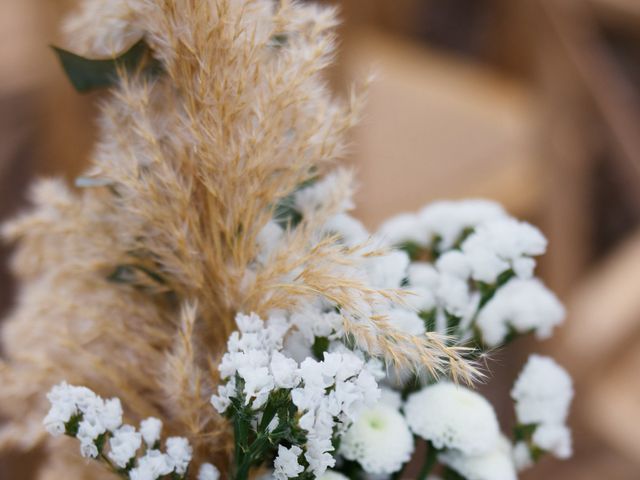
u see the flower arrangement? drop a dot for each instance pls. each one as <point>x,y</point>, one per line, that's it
<point>206,275</point>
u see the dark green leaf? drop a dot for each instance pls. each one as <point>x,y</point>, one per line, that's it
<point>88,74</point>
<point>320,345</point>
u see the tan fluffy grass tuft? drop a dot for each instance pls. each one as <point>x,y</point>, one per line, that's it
<point>131,288</point>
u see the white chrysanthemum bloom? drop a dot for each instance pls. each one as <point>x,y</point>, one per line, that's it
<point>401,229</point>
<point>102,28</point>
<point>542,392</point>
<point>208,472</point>
<point>454,417</point>
<point>180,453</point>
<point>150,430</point>
<point>523,305</point>
<point>500,245</point>
<point>286,464</point>
<point>448,220</point>
<point>521,455</point>
<point>153,465</point>
<point>493,465</point>
<point>555,439</point>
<point>123,445</point>
<point>380,440</point>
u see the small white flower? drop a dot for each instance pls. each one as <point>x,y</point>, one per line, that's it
<point>331,475</point>
<point>403,228</point>
<point>153,465</point>
<point>498,246</point>
<point>521,456</point>
<point>180,453</point>
<point>208,472</point>
<point>88,448</point>
<point>268,240</point>
<point>555,439</point>
<point>493,465</point>
<point>455,263</point>
<point>123,445</point>
<point>351,231</point>
<point>387,271</point>
<point>111,414</point>
<point>379,440</point>
<point>406,321</point>
<point>524,305</point>
<point>451,416</point>
<point>284,371</point>
<point>542,392</point>
<point>150,430</point>
<point>286,463</point>
<point>447,221</point>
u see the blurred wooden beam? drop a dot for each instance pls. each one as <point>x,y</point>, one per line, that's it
<point>616,99</point>
<point>437,127</point>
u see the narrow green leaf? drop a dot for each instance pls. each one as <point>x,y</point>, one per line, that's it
<point>87,74</point>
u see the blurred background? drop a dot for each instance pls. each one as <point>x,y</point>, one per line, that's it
<point>533,103</point>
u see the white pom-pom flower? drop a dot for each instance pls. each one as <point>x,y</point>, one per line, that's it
<point>542,392</point>
<point>496,464</point>
<point>380,440</point>
<point>447,221</point>
<point>521,455</point>
<point>208,472</point>
<point>153,465</point>
<point>180,452</point>
<point>123,445</point>
<point>523,305</point>
<point>504,244</point>
<point>555,439</point>
<point>150,430</point>
<point>402,229</point>
<point>451,416</point>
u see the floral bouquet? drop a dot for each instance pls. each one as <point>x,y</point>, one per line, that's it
<point>206,277</point>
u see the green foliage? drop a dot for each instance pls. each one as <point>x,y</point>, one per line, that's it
<point>320,345</point>
<point>88,74</point>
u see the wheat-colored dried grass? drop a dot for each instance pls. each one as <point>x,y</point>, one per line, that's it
<point>194,163</point>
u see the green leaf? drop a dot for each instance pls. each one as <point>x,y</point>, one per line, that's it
<point>88,74</point>
<point>320,345</point>
<point>72,426</point>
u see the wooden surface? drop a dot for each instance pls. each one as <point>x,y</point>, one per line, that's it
<point>438,128</point>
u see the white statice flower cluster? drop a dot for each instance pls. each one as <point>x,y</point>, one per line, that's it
<point>440,225</point>
<point>480,280</point>
<point>79,412</point>
<point>542,395</point>
<point>328,394</point>
<point>522,305</point>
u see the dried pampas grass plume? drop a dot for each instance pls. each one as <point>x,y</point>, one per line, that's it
<point>131,287</point>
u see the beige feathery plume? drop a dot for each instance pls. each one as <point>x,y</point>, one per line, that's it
<point>131,287</point>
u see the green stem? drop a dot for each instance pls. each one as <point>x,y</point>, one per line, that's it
<point>429,462</point>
